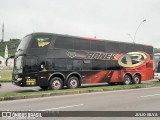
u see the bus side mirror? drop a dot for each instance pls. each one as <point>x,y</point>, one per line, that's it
<point>42,66</point>
<point>8,59</point>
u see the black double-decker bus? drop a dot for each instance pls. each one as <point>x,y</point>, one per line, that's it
<point>53,61</point>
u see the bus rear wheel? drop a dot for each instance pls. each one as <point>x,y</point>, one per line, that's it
<point>127,80</point>
<point>73,82</point>
<point>136,79</point>
<point>56,83</point>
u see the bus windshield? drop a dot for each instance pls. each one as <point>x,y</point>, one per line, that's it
<point>24,43</point>
<point>18,67</point>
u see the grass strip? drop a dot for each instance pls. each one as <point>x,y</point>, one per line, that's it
<point>5,75</point>
<point>25,95</point>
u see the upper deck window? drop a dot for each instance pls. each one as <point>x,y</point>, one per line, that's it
<point>98,46</point>
<point>41,41</point>
<point>64,42</point>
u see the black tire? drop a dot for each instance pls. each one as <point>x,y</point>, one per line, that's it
<point>56,83</point>
<point>127,80</point>
<point>73,82</point>
<point>111,83</point>
<point>44,87</point>
<point>136,79</point>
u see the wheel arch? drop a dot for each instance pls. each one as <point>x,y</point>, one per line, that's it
<point>138,75</point>
<point>129,75</point>
<point>56,74</point>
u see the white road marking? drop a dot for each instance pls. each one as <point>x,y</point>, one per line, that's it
<point>150,95</point>
<point>62,107</point>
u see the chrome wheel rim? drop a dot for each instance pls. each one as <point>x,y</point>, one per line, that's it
<point>56,84</point>
<point>73,83</point>
<point>137,79</point>
<point>127,81</point>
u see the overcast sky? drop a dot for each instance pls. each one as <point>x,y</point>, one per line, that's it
<point>105,19</point>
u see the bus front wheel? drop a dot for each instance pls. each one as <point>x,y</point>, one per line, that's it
<point>73,82</point>
<point>56,83</point>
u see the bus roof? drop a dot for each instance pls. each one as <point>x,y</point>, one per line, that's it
<point>86,38</point>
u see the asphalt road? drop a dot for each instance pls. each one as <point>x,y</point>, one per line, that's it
<point>146,99</point>
<point>9,87</point>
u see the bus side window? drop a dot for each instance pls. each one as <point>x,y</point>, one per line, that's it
<point>98,46</point>
<point>98,65</point>
<point>31,64</point>
<point>69,64</point>
<point>58,64</point>
<point>86,65</point>
<point>64,42</point>
<point>77,64</point>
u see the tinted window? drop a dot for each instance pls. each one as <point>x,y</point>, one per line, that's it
<point>112,65</point>
<point>69,64</point>
<point>76,44</point>
<point>86,64</point>
<point>84,44</point>
<point>31,64</point>
<point>64,42</point>
<point>19,64</point>
<point>122,48</point>
<point>48,64</point>
<point>77,64</point>
<point>41,41</point>
<point>112,47</point>
<point>58,64</point>
<point>98,65</point>
<point>130,48</point>
<point>98,46</point>
<point>24,43</point>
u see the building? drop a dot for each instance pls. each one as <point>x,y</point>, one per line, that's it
<point>3,59</point>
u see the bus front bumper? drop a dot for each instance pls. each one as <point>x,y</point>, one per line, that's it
<point>17,82</point>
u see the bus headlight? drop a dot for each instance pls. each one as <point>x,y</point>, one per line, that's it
<point>19,79</point>
<point>16,77</point>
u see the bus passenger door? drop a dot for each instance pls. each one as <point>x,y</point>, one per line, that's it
<point>31,69</point>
